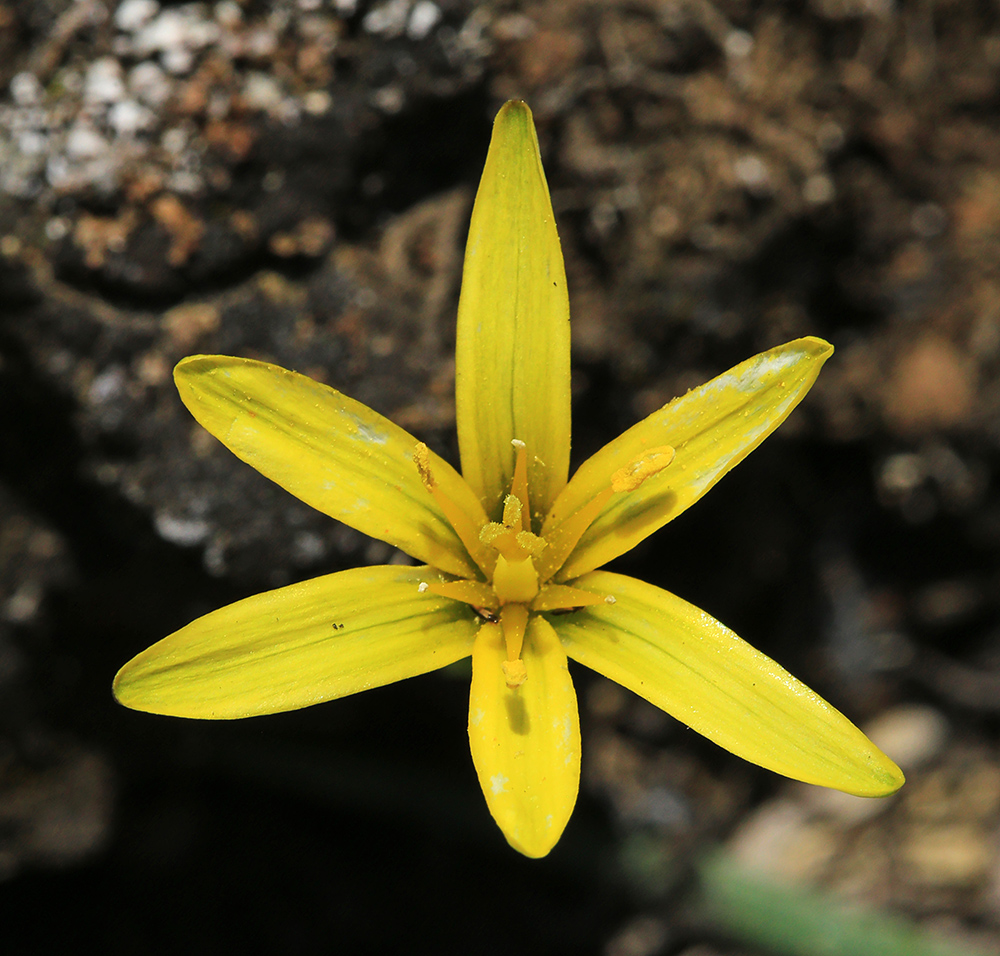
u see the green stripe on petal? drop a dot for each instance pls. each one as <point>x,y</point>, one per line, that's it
<point>696,669</point>
<point>525,740</point>
<point>711,429</point>
<point>301,645</point>
<point>512,375</point>
<point>330,451</point>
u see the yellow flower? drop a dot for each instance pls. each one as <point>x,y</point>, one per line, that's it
<point>509,549</point>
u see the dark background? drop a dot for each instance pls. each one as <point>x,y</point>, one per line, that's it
<point>292,181</point>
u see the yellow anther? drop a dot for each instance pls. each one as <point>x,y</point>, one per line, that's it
<point>514,672</point>
<point>652,462</point>
<point>422,459</point>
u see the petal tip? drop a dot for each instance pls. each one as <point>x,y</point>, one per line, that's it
<point>514,110</point>
<point>191,364</point>
<point>186,363</point>
<point>533,851</point>
<point>872,774</point>
<point>888,779</point>
<point>822,349</point>
<point>124,690</point>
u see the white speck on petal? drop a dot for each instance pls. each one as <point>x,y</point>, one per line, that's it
<point>609,599</point>
<point>366,432</point>
<point>498,783</point>
<point>422,586</point>
<point>359,504</point>
<point>476,717</point>
<point>754,377</point>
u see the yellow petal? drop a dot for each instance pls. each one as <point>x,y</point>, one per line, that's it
<point>525,740</point>
<point>512,350</point>
<point>711,429</point>
<point>693,667</point>
<point>301,645</point>
<point>330,451</point>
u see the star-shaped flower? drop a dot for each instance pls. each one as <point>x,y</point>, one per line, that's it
<point>510,549</point>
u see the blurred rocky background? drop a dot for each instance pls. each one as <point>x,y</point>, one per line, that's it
<point>292,180</point>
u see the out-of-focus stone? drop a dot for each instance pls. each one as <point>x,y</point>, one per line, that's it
<point>55,815</point>
<point>780,839</point>
<point>952,855</point>
<point>932,386</point>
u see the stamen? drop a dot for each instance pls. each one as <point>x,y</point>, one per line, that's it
<point>563,597</point>
<point>565,537</point>
<point>476,593</point>
<point>465,527</point>
<point>519,483</point>
<point>514,620</point>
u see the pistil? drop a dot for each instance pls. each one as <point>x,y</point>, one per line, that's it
<point>517,562</point>
<point>515,578</point>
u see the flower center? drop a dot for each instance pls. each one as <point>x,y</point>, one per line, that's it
<point>516,562</point>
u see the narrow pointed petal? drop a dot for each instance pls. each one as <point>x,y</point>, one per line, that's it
<point>330,451</point>
<point>525,740</point>
<point>711,429</point>
<point>697,670</point>
<point>512,376</point>
<point>301,645</point>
